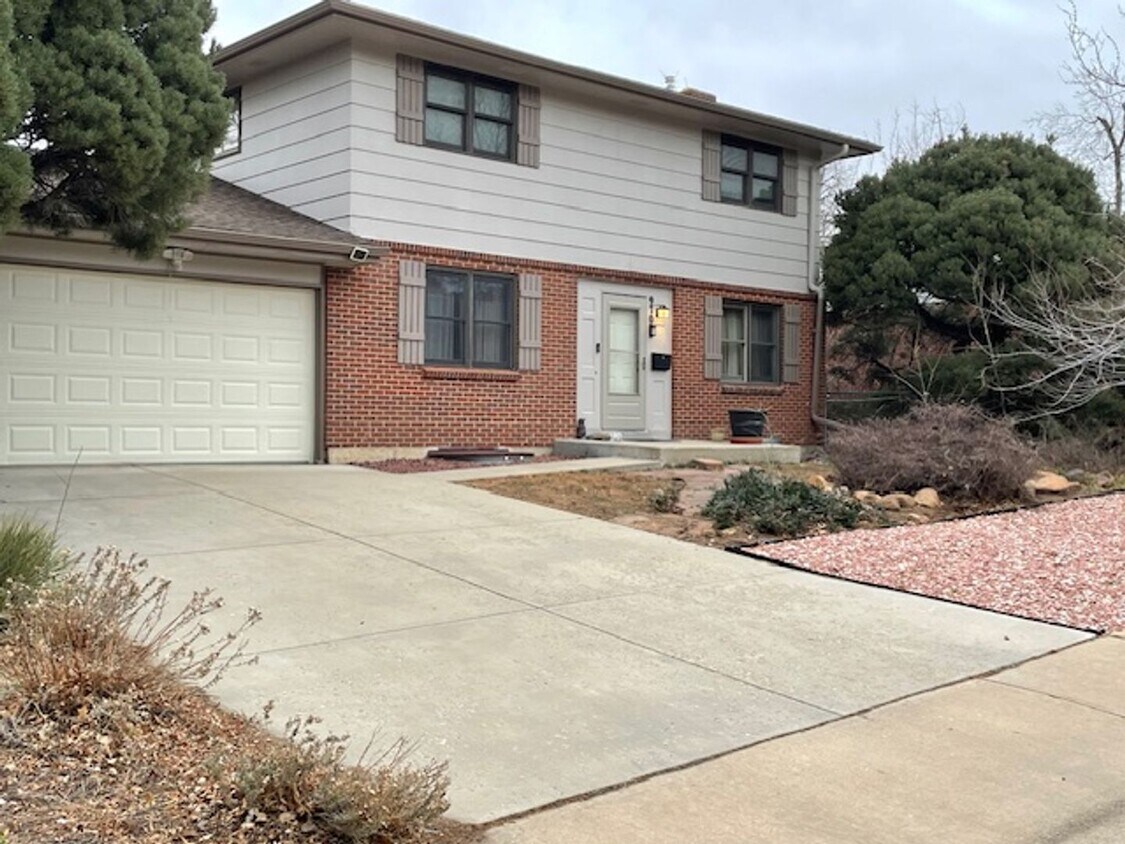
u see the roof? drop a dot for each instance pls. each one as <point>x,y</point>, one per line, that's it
<point>231,220</point>
<point>247,57</point>
<point>234,210</point>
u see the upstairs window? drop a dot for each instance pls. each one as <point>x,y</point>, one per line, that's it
<point>232,141</point>
<point>750,174</point>
<point>473,114</point>
<point>470,319</point>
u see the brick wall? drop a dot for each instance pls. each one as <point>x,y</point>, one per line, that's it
<point>374,402</point>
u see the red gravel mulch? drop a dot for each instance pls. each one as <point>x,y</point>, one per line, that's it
<point>407,466</point>
<point>1062,563</point>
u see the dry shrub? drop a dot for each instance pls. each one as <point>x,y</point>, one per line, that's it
<point>1102,451</point>
<point>99,632</point>
<point>954,448</point>
<point>383,800</point>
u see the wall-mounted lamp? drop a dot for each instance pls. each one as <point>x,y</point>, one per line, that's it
<point>656,313</point>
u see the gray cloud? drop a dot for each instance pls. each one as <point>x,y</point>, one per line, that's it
<point>845,65</point>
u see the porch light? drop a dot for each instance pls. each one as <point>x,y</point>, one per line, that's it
<point>661,313</point>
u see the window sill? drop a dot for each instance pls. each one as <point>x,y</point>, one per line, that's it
<point>442,373</point>
<point>748,389</point>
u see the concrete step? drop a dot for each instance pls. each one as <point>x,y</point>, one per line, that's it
<point>679,452</point>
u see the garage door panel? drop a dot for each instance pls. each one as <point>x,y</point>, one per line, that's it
<point>153,370</point>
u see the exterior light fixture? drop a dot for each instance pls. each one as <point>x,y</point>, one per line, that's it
<point>662,312</point>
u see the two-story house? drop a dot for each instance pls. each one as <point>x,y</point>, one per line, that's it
<point>535,244</point>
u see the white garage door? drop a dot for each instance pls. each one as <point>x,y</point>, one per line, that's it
<point>145,370</point>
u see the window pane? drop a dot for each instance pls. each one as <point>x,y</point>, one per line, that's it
<point>445,341</point>
<point>624,348</point>
<point>733,187</point>
<point>735,158</point>
<point>492,344</point>
<point>445,128</point>
<point>763,325</point>
<point>493,103</point>
<point>492,299</point>
<point>446,92</point>
<point>763,363</point>
<point>765,191</point>
<point>490,137</point>
<point>765,164</point>
<point>734,361</point>
<point>233,138</point>
<point>445,295</point>
<point>734,325</point>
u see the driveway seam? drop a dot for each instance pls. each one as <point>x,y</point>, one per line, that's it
<point>684,661</point>
<point>391,631</point>
<point>166,554</point>
<point>1061,698</point>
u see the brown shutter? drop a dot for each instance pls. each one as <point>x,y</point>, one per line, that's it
<point>791,344</point>
<point>712,337</point>
<point>527,127</point>
<point>789,183</point>
<point>530,320</point>
<point>712,166</point>
<point>410,101</point>
<point>411,312</point>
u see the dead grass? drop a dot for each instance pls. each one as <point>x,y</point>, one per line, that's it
<point>106,735</point>
<point>601,495</point>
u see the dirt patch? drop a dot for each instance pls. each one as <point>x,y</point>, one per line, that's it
<point>1062,563</point>
<point>408,466</point>
<point>130,772</point>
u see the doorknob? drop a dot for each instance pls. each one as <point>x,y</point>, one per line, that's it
<point>597,348</point>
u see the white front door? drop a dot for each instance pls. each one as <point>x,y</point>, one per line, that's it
<point>624,321</point>
<point>618,390</point>
<point>124,369</point>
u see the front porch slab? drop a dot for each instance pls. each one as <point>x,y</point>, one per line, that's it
<point>679,452</point>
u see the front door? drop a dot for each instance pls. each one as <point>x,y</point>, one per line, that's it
<point>624,329</point>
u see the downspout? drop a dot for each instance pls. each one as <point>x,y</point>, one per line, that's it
<point>817,286</point>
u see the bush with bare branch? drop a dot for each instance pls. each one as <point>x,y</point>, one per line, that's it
<point>955,449</point>
<point>100,632</point>
<point>1073,345</point>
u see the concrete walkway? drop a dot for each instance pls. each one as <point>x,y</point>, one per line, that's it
<point>1029,755</point>
<point>544,654</point>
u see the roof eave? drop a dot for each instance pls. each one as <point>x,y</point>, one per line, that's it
<point>328,8</point>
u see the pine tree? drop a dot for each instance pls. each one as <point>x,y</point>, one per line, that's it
<point>15,169</point>
<point>124,113</point>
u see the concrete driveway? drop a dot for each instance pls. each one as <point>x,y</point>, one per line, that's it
<point>544,654</point>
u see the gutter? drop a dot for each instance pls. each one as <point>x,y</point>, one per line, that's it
<point>816,285</point>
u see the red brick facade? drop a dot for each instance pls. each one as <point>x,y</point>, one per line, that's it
<point>373,401</point>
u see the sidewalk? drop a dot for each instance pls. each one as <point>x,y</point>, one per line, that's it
<point>1031,754</point>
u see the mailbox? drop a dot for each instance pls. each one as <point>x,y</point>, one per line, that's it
<point>661,362</point>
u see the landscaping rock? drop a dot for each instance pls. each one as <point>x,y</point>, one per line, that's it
<point>888,502</point>
<point>820,482</point>
<point>707,463</point>
<point>1077,475</point>
<point>918,518</point>
<point>905,500</point>
<point>866,496</point>
<point>927,497</point>
<point>1049,483</point>
<point>1104,479</point>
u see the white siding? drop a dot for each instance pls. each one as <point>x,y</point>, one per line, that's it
<point>615,191</point>
<point>296,135</point>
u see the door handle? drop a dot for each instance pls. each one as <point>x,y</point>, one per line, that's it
<point>597,348</point>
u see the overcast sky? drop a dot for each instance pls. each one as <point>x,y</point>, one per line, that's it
<point>846,65</point>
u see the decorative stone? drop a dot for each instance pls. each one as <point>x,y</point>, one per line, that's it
<point>927,497</point>
<point>866,496</point>
<point>889,502</point>
<point>1049,483</point>
<point>905,500</point>
<point>820,482</point>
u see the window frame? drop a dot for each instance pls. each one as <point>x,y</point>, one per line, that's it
<point>471,81</point>
<point>749,175</point>
<point>224,151</point>
<point>469,278</point>
<point>749,341</point>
